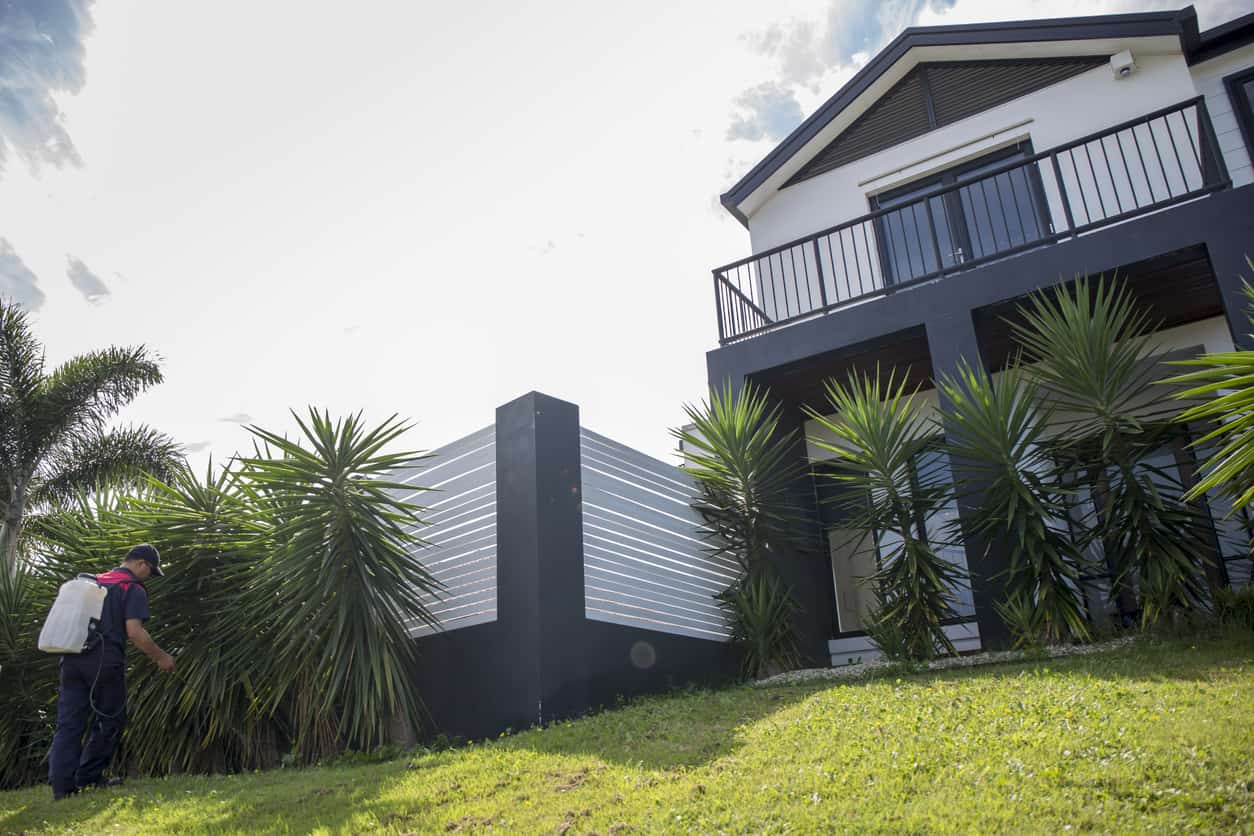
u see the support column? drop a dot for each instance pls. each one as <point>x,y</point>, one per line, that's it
<point>1227,258</point>
<point>950,339</point>
<point>540,597</point>
<point>807,567</point>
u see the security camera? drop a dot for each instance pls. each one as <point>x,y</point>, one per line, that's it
<point>1123,64</point>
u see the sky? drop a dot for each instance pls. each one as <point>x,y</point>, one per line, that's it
<point>412,208</point>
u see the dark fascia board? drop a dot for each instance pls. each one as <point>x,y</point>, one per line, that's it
<point>1212,43</point>
<point>1138,25</point>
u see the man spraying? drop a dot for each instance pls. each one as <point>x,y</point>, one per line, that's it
<point>93,683</point>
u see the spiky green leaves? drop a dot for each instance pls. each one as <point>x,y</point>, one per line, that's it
<point>998,429</point>
<point>743,464</point>
<point>879,432</point>
<point>1223,385</point>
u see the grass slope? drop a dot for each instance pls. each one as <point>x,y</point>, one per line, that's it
<point>1158,736</point>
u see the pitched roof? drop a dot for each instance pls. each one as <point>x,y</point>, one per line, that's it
<point>1182,23</point>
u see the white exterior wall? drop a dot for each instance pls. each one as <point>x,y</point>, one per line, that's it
<point>1209,78</point>
<point>1071,109</point>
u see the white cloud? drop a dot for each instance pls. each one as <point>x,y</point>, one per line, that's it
<point>17,281</point>
<point>86,282</point>
<point>41,55</point>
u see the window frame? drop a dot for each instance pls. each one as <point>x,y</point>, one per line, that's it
<point>925,188</point>
<point>1242,108</point>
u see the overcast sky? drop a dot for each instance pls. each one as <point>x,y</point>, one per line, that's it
<point>427,209</point>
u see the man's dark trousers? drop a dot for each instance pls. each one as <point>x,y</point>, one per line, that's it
<point>72,766</point>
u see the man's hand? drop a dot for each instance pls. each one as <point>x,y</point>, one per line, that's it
<point>139,637</point>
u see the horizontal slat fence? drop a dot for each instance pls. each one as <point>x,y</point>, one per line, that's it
<point>461,511</point>
<point>645,562</point>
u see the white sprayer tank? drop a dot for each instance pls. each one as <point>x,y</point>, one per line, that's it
<point>79,604</point>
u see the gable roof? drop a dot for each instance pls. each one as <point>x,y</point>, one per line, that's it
<point>935,94</point>
<point>1181,24</point>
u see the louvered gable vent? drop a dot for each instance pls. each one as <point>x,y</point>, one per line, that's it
<point>954,90</point>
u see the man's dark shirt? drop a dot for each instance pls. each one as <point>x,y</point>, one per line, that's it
<point>125,600</point>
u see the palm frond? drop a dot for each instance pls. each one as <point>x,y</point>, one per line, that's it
<point>1223,388</point>
<point>1090,354</point>
<point>96,458</point>
<point>86,391</point>
<point>21,370</point>
<point>744,464</point>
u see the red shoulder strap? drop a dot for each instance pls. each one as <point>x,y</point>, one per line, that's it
<point>119,578</point>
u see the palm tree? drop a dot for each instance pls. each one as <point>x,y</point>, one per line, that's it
<point>1091,357</point>
<point>54,438</point>
<point>880,434</point>
<point>743,464</point>
<point>998,427</point>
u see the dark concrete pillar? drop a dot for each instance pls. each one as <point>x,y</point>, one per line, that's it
<point>1227,257</point>
<point>540,586</point>
<point>806,565</point>
<point>951,339</point>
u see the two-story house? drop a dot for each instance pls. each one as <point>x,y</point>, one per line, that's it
<point>961,169</point>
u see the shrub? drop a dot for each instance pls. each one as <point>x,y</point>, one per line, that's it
<point>1235,607</point>
<point>880,433</point>
<point>744,464</point>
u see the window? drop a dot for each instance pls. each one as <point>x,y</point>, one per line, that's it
<point>1241,94</point>
<point>969,212</point>
<point>856,556</point>
<point>1172,468</point>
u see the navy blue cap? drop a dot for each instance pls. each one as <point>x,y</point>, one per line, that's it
<point>149,555</point>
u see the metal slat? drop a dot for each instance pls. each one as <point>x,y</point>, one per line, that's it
<point>461,534</point>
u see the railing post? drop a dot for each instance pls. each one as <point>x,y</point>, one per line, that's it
<point>1062,191</point>
<point>818,266</point>
<point>1206,129</point>
<point>718,308</point>
<point>931,217</point>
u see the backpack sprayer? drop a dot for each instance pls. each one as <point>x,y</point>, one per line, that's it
<point>72,625</point>
<point>74,617</point>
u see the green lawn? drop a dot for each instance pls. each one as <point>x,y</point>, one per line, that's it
<point>1158,736</point>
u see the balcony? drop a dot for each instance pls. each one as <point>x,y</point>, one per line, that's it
<point>1155,161</point>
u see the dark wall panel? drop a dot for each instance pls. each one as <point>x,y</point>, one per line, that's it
<point>953,89</point>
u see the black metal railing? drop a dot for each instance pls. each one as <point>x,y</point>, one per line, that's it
<point>1147,164</point>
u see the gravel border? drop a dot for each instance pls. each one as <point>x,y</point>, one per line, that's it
<point>989,658</point>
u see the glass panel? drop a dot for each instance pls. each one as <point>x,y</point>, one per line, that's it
<point>1001,212</point>
<point>911,239</point>
<point>942,527</point>
<point>853,563</point>
<point>1240,571</point>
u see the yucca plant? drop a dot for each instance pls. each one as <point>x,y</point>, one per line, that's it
<point>998,428</point>
<point>743,464</point>
<point>1089,353</point>
<point>1223,387</point>
<point>762,611</point>
<point>880,432</point>
<point>338,589</point>
<point>294,578</point>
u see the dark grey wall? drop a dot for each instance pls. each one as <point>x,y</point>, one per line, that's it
<point>542,660</point>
